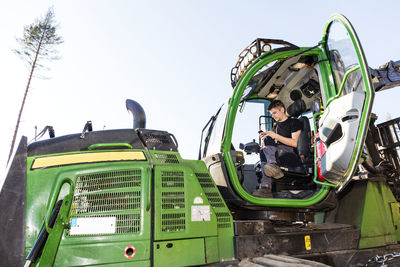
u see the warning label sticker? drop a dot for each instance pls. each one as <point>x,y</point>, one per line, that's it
<point>92,226</point>
<point>200,213</point>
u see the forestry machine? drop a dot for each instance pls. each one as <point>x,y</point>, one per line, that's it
<point>127,198</point>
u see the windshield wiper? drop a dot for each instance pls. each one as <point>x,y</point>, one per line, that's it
<point>211,123</point>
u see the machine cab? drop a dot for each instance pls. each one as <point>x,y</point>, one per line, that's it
<point>326,87</point>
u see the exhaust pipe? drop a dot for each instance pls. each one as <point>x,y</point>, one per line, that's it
<point>138,114</point>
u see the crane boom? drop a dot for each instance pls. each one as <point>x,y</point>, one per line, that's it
<point>386,76</point>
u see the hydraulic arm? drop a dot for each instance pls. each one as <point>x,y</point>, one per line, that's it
<point>386,76</point>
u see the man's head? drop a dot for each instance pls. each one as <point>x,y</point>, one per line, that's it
<point>277,110</point>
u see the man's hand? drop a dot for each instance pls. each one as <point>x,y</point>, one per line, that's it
<point>271,134</point>
<point>262,134</point>
<point>284,140</point>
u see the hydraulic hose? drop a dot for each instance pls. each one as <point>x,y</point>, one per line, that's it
<point>373,169</point>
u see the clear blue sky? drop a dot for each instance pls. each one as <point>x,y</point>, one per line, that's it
<point>173,57</point>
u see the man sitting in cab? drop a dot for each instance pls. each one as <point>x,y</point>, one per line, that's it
<point>279,148</point>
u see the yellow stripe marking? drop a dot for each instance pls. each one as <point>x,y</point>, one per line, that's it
<point>70,159</point>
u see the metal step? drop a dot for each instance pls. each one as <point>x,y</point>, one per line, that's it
<point>279,261</point>
<point>257,238</point>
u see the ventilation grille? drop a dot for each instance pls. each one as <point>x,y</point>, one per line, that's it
<point>155,139</point>
<point>109,180</point>
<point>172,179</point>
<point>224,219</point>
<point>159,140</point>
<point>173,200</point>
<point>103,202</point>
<point>110,194</point>
<point>166,158</point>
<point>173,218</point>
<point>173,222</point>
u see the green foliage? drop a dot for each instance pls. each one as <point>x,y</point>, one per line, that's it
<point>39,40</point>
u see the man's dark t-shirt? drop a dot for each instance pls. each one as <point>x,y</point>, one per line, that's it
<point>287,156</point>
<point>287,127</point>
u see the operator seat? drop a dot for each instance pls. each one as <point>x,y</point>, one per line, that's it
<point>300,177</point>
<point>304,148</point>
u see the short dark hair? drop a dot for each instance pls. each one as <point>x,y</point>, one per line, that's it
<point>276,104</point>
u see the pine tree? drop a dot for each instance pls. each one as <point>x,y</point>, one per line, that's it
<point>36,47</point>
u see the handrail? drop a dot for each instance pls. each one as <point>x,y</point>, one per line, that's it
<point>342,84</point>
<point>54,198</point>
<point>108,145</point>
<point>148,180</point>
<point>315,118</point>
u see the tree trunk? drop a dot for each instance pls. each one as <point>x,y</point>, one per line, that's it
<point>23,101</point>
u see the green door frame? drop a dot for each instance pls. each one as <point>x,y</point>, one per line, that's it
<point>330,92</point>
<point>227,138</point>
<point>369,91</point>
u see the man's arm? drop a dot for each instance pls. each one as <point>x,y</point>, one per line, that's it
<point>284,140</point>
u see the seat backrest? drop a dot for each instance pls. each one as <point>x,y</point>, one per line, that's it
<point>304,143</point>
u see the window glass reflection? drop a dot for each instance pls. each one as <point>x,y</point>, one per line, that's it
<point>342,58</point>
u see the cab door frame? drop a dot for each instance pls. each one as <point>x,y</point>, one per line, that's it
<point>336,94</point>
<point>233,107</point>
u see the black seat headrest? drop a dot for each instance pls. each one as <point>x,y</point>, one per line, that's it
<point>295,95</point>
<point>297,108</point>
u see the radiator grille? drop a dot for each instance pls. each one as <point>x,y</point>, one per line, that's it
<point>224,219</point>
<point>172,179</point>
<point>173,222</point>
<point>109,180</point>
<point>173,218</point>
<point>102,202</point>
<point>110,194</point>
<point>173,200</point>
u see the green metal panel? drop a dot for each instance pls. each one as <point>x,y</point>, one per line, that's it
<point>189,212</point>
<point>128,264</point>
<point>226,246</point>
<point>377,227</point>
<point>102,253</point>
<point>212,254</point>
<point>224,217</point>
<point>368,206</point>
<point>192,179</point>
<point>182,210</point>
<point>187,252</point>
<point>103,190</point>
<point>395,208</point>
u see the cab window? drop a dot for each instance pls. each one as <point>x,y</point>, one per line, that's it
<point>343,58</point>
<point>251,118</point>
